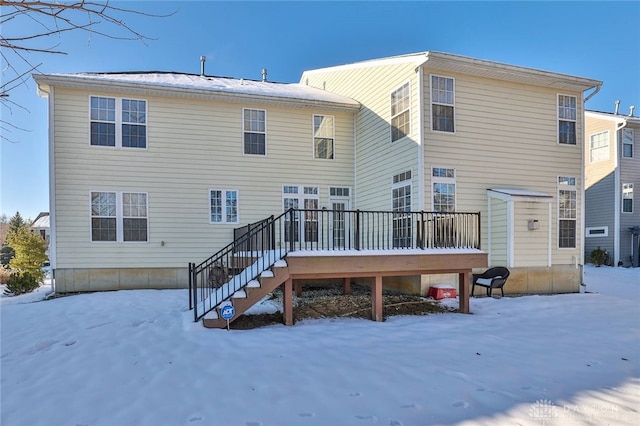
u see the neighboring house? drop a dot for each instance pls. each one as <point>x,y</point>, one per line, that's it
<point>150,171</point>
<point>612,183</point>
<point>42,227</point>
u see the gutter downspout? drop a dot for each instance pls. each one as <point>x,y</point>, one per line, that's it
<point>52,185</point>
<point>421,172</point>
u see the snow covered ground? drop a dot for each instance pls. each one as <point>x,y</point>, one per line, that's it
<point>135,358</point>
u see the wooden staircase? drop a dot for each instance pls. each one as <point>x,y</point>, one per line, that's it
<point>251,294</point>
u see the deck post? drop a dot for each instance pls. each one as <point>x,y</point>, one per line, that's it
<point>287,302</point>
<point>463,296</point>
<point>376,299</point>
<point>346,289</point>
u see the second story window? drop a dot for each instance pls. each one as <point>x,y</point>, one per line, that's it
<point>400,113</point>
<point>599,145</point>
<point>567,114</point>
<point>442,104</point>
<point>255,131</point>
<point>118,122</point>
<point>627,143</point>
<point>627,198</point>
<point>323,137</point>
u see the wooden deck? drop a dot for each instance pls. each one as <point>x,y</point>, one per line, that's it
<point>303,265</point>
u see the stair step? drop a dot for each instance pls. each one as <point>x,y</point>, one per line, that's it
<point>280,264</point>
<point>240,294</point>
<point>213,315</point>
<point>267,274</point>
<point>254,284</point>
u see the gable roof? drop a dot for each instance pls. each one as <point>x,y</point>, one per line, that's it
<point>478,67</point>
<point>192,85</point>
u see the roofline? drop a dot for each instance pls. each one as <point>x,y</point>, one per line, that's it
<point>89,83</point>
<point>475,66</point>
<point>619,118</point>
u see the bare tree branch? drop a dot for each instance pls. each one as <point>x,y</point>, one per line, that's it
<point>54,18</point>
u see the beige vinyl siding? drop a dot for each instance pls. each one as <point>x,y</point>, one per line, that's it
<point>531,246</point>
<point>506,136</point>
<point>192,146</point>
<point>498,248</point>
<point>378,159</point>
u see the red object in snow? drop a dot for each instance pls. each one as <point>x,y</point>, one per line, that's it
<point>442,292</point>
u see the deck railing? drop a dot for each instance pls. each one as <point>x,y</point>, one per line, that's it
<point>256,247</point>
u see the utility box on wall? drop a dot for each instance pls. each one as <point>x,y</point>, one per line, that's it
<point>534,224</point>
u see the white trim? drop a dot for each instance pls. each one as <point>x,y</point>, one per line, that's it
<point>511,235</point>
<point>565,119</point>
<point>420,137</point>
<point>224,206</point>
<point>119,217</point>
<point>409,110</point>
<point>242,131</point>
<point>550,236</point>
<point>52,184</point>
<point>489,229</point>
<point>445,180</point>
<point>453,105</point>
<point>313,136</point>
<point>573,188</point>
<point>118,123</point>
<point>604,233</point>
<point>607,146</point>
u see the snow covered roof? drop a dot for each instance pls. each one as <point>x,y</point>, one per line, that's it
<point>209,86</point>
<point>611,116</point>
<point>41,222</point>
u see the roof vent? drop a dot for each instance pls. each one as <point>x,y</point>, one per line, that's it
<point>631,108</point>
<point>617,107</point>
<point>203,59</point>
<point>264,74</point>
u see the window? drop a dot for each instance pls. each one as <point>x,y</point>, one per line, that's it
<point>599,146</point>
<point>401,205</point>
<point>295,196</point>
<point>597,231</point>
<point>627,143</point>
<point>323,137</point>
<point>119,216</point>
<point>627,198</point>
<point>400,112</point>
<point>255,131</point>
<point>567,212</point>
<point>223,206</point>
<point>442,104</point>
<point>567,113</point>
<point>444,189</point>
<point>118,122</point>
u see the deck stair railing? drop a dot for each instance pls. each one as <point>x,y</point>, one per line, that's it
<point>258,246</point>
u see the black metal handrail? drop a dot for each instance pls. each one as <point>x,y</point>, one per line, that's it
<point>258,246</point>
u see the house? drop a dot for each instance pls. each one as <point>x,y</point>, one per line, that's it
<point>453,133</point>
<point>612,172</point>
<point>42,227</point>
<point>153,171</point>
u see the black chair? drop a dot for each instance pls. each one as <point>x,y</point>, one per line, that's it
<point>491,278</point>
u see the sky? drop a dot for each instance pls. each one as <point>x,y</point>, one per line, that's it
<point>598,40</point>
<point>135,357</point>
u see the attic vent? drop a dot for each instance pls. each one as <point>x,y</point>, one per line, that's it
<point>264,74</point>
<point>203,59</point>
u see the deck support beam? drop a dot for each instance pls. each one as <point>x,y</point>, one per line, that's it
<point>376,299</point>
<point>287,302</point>
<point>346,289</point>
<point>463,296</point>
